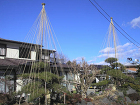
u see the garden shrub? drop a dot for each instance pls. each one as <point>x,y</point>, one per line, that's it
<point>88,99</point>
<point>5,99</point>
<point>136,87</point>
<point>72,99</point>
<point>134,96</point>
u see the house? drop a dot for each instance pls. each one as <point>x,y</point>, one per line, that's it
<point>13,56</point>
<point>17,57</point>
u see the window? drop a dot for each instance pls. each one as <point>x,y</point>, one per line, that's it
<point>24,53</point>
<point>2,84</point>
<point>44,57</point>
<point>2,50</point>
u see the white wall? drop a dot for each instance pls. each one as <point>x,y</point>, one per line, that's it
<point>33,55</point>
<point>12,53</point>
<point>77,77</point>
<point>19,84</point>
<point>72,76</point>
<point>12,50</point>
<point>65,77</point>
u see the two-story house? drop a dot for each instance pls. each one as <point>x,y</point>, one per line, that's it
<point>13,56</point>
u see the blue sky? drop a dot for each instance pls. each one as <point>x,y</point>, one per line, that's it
<point>79,27</point>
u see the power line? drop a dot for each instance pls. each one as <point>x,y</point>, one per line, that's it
<point>115,23</point>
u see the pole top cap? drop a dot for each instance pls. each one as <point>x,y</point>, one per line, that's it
<point>43,4</point>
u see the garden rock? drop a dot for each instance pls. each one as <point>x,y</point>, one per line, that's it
<point>83,102</point>
<point>128,99</point>
<point>135,102</point>
<point>134,96</point>
<point>78,103</point>
<point>89,103</point>
<point>130,91</point>
<point>121,94</point>
<point>105,100</point>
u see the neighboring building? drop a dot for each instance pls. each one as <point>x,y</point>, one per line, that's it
<point>131,69</point>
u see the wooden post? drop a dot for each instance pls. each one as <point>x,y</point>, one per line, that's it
<point>39,100</point>
<point>64,98</point>
<point>15,78</point>
<point>45,99</point>
<point>5,82</point>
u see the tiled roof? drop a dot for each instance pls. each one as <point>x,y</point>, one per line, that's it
<point>13,62</point>
<point>130,65</point>
<point>18,42</point>
<point>25,43</point>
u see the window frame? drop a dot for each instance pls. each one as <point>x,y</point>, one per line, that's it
<point>24,50</point>
<point>4,46</point>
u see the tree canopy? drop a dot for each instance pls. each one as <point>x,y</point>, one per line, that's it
<point>39,81</point>
<point>121,79</point>
<point>111,60</point>
<point>114,64</point>
<point>118,66</point>
<point>87,75</point>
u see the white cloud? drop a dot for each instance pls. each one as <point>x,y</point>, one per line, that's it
<point>135,22</point>
<point>124,46</point>
<point>92,60</point>
<point>123,52</point>
<point>101,63</point>
<point>131,52</point>
<point>106,55</point>
<point>106,50</point>
<point>79,59</point>
<point>120,48</point>
<point>136,55</point>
